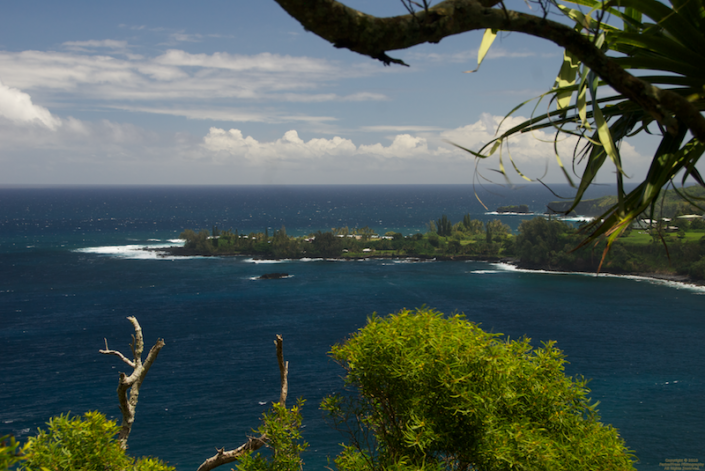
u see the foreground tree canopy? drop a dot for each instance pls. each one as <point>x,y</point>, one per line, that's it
<point>430,392</point>
<point>665,39</point>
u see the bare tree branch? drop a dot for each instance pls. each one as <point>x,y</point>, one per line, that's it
<point>128,390</point>
<point>345,27</point>
<point>224,457</point>
<point>107,351</point>
<point>283,370</point>
<point>253,443</point>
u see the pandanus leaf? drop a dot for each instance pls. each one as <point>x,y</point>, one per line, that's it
<point>487,40</point>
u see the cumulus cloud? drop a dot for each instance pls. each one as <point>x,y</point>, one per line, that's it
<point>292,148</point>
<point>530,149</point>
<point>533,153</point>
<point>39,145</point>
<point>403,146</point>
<point>289,147</point>
<point>17,106</point>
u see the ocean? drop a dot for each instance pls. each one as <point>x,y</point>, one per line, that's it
<point>72,269</point>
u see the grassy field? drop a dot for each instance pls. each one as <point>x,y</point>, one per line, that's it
<point>638,237</point>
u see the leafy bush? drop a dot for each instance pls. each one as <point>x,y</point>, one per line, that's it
<point>430,392</point>
<point>86,444</point>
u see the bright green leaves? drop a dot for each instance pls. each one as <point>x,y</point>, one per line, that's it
<point>10,452</point>
<point>86,444</point>
<point>282,428</point>
<point>441,393</point>
<point>566,78</point>
<point>603,130</point>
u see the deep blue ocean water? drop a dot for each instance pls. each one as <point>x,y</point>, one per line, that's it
<point>71,271</point>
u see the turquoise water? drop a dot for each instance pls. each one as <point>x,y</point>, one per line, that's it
<point>71,271</point>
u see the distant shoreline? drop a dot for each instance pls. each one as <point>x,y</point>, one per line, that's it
<point>178,251</point>
<point>666,277</point>
<point>683,280</point>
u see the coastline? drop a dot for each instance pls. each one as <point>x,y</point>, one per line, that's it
<point>515,264</point>
<point>670,278</point>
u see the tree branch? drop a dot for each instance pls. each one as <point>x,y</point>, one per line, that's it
<point>253,443</point>
<point>107,351</point>
<point>224,457</point>
<point>283,370</point>
<point>372,36</point>
<point>128,390</point>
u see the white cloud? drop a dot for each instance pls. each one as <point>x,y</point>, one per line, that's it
<point>176,75</point>
<point>292,148</point>
<point>403,146</point>
<point>289,147</point>
<point>533,153</point>
<point>260,62</point>
<point>109,152</point>
<point>17,106</point>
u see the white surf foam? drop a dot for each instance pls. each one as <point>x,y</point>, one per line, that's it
<point>698,289</point>
<point>134,251</point>
<point>258,278</point>
<point>495,213</point>
<point>256,261</point>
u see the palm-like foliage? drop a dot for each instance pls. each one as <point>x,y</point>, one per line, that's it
<point>667,41</point>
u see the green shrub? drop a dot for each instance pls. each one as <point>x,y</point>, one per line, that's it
<point>85,444</point>
<point>282,427</point>
<point>430,392</point>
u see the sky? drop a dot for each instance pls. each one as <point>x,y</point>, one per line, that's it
<point>236,92</point>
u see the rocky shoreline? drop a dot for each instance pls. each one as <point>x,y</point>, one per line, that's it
<point>668,277</point>
<point>184,252</point>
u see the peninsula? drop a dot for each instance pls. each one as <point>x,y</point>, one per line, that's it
<point>661,249</point>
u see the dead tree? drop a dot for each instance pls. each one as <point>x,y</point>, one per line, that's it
<point>253,443</point>
<point>132,383</point>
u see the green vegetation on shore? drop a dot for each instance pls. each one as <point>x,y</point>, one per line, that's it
<point>671,204</point>
<point>663,249</point>
<point>544,244</point>
<point>470,237</point>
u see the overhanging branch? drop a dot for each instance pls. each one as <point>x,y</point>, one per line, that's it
<point>374,37</point>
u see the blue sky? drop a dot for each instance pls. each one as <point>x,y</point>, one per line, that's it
<point>236,92</point>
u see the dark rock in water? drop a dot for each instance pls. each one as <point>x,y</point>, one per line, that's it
<point>273,276</point>
<point>521,208</point>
